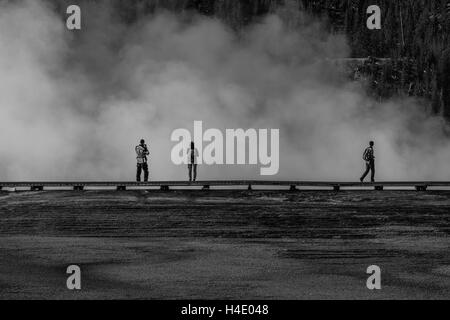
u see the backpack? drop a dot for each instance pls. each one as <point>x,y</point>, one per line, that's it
<point>367,155</point>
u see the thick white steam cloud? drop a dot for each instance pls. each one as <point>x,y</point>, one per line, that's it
<point>74,104</point>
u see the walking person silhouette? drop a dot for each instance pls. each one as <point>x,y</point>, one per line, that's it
<point>369,158</point>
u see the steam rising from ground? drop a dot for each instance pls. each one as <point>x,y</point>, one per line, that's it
<point>74,104</point>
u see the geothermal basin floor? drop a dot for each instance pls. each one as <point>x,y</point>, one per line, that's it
<point>225,244</point>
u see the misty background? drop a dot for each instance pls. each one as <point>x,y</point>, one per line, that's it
<point>73,104</point>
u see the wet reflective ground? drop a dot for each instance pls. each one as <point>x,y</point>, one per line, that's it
<point>225,244</point>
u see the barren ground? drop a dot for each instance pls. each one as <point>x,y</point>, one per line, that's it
<point>225,244</point>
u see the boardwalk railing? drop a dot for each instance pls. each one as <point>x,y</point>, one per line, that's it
<point>206,185</point>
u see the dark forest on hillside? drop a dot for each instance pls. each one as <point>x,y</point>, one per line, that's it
<point>414,39</point>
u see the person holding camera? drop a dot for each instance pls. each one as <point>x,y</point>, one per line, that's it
<point>141,157</point>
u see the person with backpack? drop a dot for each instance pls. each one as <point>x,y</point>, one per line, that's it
<point>141,158</point>
<point>369,158</point>
<point>192,154</point>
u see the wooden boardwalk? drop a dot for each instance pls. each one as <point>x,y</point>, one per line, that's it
<point>206,185</point>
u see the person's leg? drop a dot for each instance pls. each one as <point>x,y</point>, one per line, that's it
<point>195,172</point>
<point>190,171</point>
<point>146,173</point>
<point>372,169</point>
<point>138,172</point>
<point>365,172</point>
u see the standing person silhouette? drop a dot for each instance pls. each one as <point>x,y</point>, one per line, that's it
<point>192,154</point>
<point>369,158</point>
<point>141,158</point>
